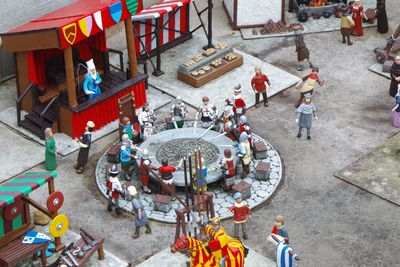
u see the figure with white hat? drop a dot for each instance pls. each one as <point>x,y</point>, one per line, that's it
<point>179,112</point>
<point>305,113</point>
<point>245,127</point>
<point>139,212</point>
<point>84,146</point>
<point>114,189</point>
<point>92,81</point>
<point>240,214</point>
<point>144,173</point>
<point>126,157</point>
<point>239,106</point>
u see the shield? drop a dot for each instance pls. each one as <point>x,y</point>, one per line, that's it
<point>85,25</point>
<point>55,201</point>
<point>13,210</point>
<point>116,11</point>
<point>69,32</point>
<point>132,6</point>
<point>59,225</point>
<point>98,20</point>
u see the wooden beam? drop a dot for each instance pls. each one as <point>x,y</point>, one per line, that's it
<point>283,19</point>
<point>39,207</point>
<point>130,43</point>
<point>69,71</point>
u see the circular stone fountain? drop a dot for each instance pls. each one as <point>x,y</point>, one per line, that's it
<point>176,144</point>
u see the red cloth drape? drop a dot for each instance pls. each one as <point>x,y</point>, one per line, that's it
<point>37,59</point>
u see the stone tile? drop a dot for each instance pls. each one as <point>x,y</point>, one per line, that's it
<point>262,193</point>
<point>271,153</point>
<point>273,181</point>
<point>270,188</point>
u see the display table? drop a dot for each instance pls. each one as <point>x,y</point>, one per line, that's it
<point>195,74</point>
<point>16,251</point>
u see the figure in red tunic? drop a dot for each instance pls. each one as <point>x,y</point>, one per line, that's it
<point>239,106</point>
<point>240,214</point>
<point>358,13</point>
<point>245,127</point>
<point>114,189</point>
<point>144,174</point>
<point>228,169</point>
<point>167,177</point>
<point>259,86</point>
<point>229,124</point>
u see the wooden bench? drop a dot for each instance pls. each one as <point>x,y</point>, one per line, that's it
<point>15,252</point>
<point>88,254</point>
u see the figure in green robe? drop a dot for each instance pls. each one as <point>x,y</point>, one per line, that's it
<point>50,157</point>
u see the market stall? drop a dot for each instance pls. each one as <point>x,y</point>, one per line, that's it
<point>51,56</point>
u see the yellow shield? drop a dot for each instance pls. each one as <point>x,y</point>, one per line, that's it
<point>69,32</point>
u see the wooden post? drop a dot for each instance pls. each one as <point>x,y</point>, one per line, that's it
<point>69,71</point>
<point>130,43</point>
<point>100,252</point>
<point>283,19</point>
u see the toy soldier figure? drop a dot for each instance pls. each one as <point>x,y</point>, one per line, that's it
<point>128,129</point>
<point>259,87</point>
<point>308,86</point>
<point>144,173</point>
<point>84,146</point>
<point>208,113</point>
<point>166,172</point>
<point>179,112</point>
<point>244,127</point>
<point>302,51</point>
<point>92,81</point>
<point>244,153</point>
<point>214,229</point>
<point>305,112</point>
<point>346,24</point>
<point>240,214</point>
<point>146,119</point>
<point>229,124</point>
<point>126,156</point>
<point>239,107</point>
<point>200,178</point>
<point>139,212</point>
<point>114,189</point>
<point>285,257</point>
<point>228,169</point>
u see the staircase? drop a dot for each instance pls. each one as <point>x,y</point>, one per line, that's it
<point>35,124</point>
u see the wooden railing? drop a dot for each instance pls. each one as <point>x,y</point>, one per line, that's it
<point>19,100</point>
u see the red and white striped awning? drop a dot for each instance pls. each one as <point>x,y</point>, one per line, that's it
<point>159,9</point>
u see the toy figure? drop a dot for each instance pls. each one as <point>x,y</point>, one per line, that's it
<point>304,115</point>
<point>239,107</point>
<point>308,85</point>
<point>244,127</point>
<point>84,146</point>
<point>50,156</point>
<point>229,105</point>
<point>244,153</point>
<point>179,112</point>
<point>396,110</point>
<point>228,169</point>
<point>146,119</point>
<point>358,10</point>
<point>346,24</point>
<point>380,10</point>
<point>126,156</point>
<point>199,183</point>
<point>302,51</point>
<point>395,76</point>
<point>284,253</point>
<point>114,189</point>
<point>167,177</point>
<point>229,124</point>
<point>208,113</point>
<point>144,174</point>
<point>240,214</point>
<point>92,81</point>
<point>128,129</point>
<point>259,87</point>
<point>139,212</point>
<point>279,228</point>
<point>214,229</point>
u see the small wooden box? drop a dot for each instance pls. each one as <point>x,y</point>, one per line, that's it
<point>262,171</point>
<point>113,153</point>
<point>260,150</point>
<point>244,188</point>
<point>162,203</point>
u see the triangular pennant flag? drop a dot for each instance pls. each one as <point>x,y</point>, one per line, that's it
<point>85,25</point>
<point>116,11</point>
<point>98,19</point>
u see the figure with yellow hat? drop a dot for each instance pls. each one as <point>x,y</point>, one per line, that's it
<point>139,212</point>
<point>84,146</point>
<point>92,81</point>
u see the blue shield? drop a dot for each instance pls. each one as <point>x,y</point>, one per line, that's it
<point>116,11</point>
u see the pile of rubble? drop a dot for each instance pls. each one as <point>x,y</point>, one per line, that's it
<point>277,27</point>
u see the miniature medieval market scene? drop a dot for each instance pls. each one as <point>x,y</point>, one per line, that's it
<point>199,133</point>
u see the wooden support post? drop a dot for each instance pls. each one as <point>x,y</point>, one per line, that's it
<point>100,252</point>
<point>158,72</point>
<point>130,43</point>
<point>283,19</point>
<point>69,71</point>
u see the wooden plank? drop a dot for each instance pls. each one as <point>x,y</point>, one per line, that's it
<point>16,251</point>
<point>65,120</point>
<point>215,73</point>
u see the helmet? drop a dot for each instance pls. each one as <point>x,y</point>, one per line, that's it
<point>243,137</point>
<point>238,88</point>
<point>145,153</point>
<point>164,162</point>
<point>179,98</point>
<point>243,119</point>
<point>113,170</point>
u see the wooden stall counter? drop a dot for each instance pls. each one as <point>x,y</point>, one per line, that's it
<point>21,251</point>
